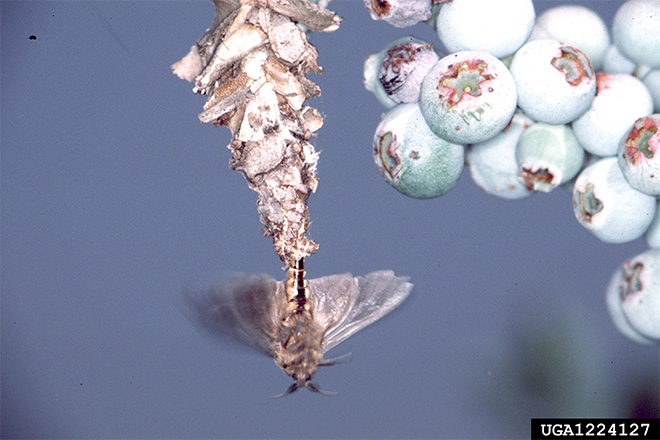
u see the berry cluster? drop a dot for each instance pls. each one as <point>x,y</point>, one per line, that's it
<point>530,103</point>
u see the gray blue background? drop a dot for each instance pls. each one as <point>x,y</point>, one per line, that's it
<point>115,198</point>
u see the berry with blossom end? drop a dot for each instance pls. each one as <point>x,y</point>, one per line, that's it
<point>555,81</point>
<point>548,155</point>
<point>468,97</point>
<point>639,155</point>
<point>606,205</point>
<point>633,297</point>
<point>411,158</point>
<point>578,26</point>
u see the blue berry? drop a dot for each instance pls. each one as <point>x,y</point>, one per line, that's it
<point>633,297</point>
<point>605,204</point>
<point>652,235</point>
<point>578,26</point>
<point>547,156</point>
<point>652,82</point>
<point>493,164</point>
<point>411,158</point>
<point>639,155</point>
<point>468,97</point>
<point>497,27</point>
<point>555,81</point>
<point>636,31</point>
<point>616,62</point>
<point>620,101</point>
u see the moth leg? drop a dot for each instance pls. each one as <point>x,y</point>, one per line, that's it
<point>341,359</point>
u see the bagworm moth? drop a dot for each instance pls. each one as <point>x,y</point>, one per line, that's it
<point>298,320</point>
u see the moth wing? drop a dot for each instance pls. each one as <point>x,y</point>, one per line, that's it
<point>372,297</point>
<point>245,308</point>
<point>332,298</point>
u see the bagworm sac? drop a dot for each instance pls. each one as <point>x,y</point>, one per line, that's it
<point>298,320</point>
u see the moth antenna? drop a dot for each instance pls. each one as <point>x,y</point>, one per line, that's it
<point>292,388</point>
<point>315,388</point>
<point>341,359</point>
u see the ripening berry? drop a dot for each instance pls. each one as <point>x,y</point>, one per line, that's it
<point>547,156</point>
<point>555,81</point>
<point>639,155</point>
<point>395,74</point>
<point>468,97</point>
<point>411,158</point>
<point>399,13</point>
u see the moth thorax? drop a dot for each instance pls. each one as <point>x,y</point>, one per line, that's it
<point>296,285</point>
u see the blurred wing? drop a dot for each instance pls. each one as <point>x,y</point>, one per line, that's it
<point>245,308</point>
<point>370,298</point>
